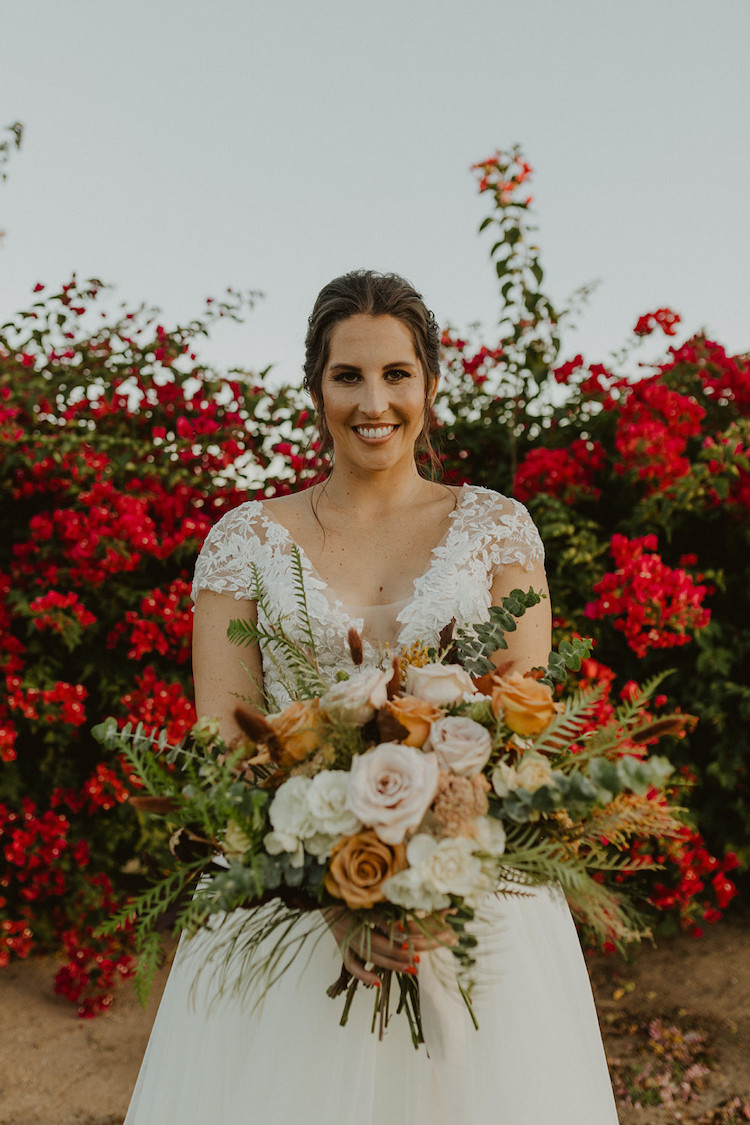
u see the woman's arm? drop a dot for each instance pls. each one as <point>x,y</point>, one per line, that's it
<point>224,674</point>
<point>528,647</point>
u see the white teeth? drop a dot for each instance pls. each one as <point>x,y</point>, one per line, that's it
<point>374,431</point>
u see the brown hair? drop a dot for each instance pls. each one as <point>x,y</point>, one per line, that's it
<point>365,292</point>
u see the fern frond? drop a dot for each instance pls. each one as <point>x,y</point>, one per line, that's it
<point>298,577</point>
<point>151,904</point>
<point>629,815</point>
<point>150,957</point>
<point>629,709</point>
<point>569,725</point>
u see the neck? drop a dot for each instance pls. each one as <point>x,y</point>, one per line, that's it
<point>373,492</point>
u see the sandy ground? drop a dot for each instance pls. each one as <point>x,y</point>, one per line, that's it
<point>56,1069</point>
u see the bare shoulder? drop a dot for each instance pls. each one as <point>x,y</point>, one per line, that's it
<point>292,502</point>
<point>296,512</point>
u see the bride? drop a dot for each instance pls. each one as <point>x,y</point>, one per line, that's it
<point>397,556</point>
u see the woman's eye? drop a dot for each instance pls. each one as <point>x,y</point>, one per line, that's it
<point>346,377</point>
<point>396,374</point>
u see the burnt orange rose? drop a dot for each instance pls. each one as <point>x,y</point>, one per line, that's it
<point>415,715</point>
<point>358,867</point>
<point>526,704</point>
<point>298,730</point>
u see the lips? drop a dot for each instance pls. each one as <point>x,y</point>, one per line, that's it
<point>375,432</point>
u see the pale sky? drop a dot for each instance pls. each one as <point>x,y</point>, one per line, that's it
<point>175,147</point>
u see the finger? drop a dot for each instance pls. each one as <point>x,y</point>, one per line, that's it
<point>359,970</point>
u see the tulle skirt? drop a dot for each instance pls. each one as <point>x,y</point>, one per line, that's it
<point>536,1058</point>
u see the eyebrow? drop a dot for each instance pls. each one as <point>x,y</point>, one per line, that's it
<point>386,366</point>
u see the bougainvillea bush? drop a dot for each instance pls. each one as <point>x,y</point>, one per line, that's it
<point>640,485</point>
<point>118,450</point>
<point>117,453</point>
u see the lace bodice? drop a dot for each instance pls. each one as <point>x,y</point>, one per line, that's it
<point>487,532</point>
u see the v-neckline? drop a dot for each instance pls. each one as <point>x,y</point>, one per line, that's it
<point>342,606</point>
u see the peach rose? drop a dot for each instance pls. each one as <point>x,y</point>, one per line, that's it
<point>439,683</point>
<point>415,715</point>
<point>298,729</point>
<point>526,704</point>
<point>359,866</point>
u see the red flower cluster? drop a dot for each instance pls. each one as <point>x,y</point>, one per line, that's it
<point>95,964</point>
<point>156,703</point>
<point>48,611</point>
<point>654,425</point>
<point>725,379</point>
<point>566,473</point>
<point>652,604</point>
<point>727,459</point>
<point>662,318</point>
<point>694,868</point>
<point>164,624</point>
<point>478,366</point>
<point>62,703</point>
<point>503,174</point>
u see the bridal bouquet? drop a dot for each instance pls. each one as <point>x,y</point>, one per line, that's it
<point>409,793</point>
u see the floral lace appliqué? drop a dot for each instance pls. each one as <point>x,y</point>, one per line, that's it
<point>487,532</point>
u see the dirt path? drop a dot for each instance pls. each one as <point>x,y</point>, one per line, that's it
<point>58,1070</point>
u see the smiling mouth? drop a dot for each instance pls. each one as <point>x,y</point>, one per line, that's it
<point>375,432</point>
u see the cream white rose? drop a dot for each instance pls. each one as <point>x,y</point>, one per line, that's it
<point>441,684</point>
<point>447,865</point>
<point>460,744</point>
<point>357,699</point>
<point>391,787</point>
<point>326,801</point>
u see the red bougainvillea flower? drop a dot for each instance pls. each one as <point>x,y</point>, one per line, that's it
<point>568,474</point>
<point>654,426</point>
<point>662,318</point>
<point>652,604</point>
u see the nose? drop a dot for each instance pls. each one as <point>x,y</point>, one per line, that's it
<point>374,400</point>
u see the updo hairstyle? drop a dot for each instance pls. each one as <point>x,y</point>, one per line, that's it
<point>365,292</point>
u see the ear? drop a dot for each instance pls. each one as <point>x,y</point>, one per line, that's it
<point>432,393</point>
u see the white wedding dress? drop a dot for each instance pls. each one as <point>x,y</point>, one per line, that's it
<point>537,1057</point>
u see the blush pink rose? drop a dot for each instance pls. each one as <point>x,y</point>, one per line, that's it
<point>460,744</point>
<point>391,788</point>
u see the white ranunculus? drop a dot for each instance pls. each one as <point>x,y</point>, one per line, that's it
<point>460,744</point>
<point>326,800</point>
<point>409,889</point>
<point>357,699</point>
<point>533,771</point>
<point>504,779</point>
<point>290,812</point>
<point>277,842</point>
<point>448,865</point>
<point>441,684</point>
<point>321,845</point>
<point>391,788</point>
<point>489,835</point>
<point>236,843</point>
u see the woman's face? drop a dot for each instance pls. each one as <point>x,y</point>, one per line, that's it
<point>373,391</point>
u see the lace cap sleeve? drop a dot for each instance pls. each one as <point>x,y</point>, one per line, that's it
<point>229,551</point>
<point>512,536</point>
